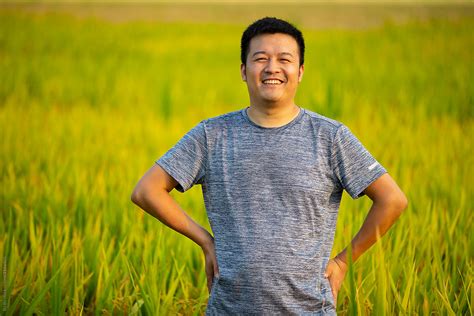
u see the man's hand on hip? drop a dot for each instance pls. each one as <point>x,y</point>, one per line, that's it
<point>211,266</point>
<point>335,272</point>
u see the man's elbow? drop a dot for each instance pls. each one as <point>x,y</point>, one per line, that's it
<point>399,203</point>
<point>394,202</point>
<point>144,192</point>
<point>137,195</point>
<point>404,203</point>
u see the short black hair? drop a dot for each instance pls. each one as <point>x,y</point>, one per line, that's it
<point>270,25</point>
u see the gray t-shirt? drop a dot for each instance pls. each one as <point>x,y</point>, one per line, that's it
<point>272,197</point>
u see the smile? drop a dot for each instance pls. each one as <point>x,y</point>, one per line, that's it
<point>272,81</point>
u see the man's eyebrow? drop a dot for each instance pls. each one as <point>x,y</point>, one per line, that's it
<point>259,52</point>
<point>285,53</point>
<point>263,52</point>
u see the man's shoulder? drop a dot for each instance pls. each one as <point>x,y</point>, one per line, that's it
<point>223,119</point>
<point>323,121</point>
<point>225,116</point>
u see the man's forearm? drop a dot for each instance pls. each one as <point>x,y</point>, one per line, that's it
<point>163,207</point>
<point>381,217</point>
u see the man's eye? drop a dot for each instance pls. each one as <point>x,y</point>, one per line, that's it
<point>285,60</point>
<point>260,59</point>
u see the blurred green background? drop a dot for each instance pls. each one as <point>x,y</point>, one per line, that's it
<point>92,94</point>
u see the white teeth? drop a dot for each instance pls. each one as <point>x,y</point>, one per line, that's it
<point>271,81</point>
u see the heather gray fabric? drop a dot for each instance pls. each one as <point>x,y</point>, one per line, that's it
<point>272,197</point>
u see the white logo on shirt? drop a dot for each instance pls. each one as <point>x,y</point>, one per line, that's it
<point>372,166</point>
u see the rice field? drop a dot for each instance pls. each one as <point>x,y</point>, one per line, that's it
<point>87,105</point>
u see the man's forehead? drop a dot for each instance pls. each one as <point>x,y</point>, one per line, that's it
<point>283,43</point>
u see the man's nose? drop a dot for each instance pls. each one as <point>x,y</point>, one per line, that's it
<point>272,66</point>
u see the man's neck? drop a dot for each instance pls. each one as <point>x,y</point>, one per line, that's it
<point>267,116</point>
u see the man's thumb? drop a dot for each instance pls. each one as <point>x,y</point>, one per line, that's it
<point>326,273</point>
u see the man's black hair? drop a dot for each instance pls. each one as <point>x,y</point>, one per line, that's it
<point>270,25</point>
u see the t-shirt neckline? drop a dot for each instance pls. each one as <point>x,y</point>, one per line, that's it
<point>292,122</point>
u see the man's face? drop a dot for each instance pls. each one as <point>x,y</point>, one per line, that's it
<point>272,71</point>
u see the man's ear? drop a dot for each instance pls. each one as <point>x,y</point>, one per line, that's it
<point>300,75</point>
<point>242,72</point>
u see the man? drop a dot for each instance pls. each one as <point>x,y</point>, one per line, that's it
<point>272,176</point>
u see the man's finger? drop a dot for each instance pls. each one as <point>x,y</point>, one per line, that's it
<point>209,284</point>
<point>327,272</point>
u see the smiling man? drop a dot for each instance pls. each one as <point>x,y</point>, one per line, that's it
<point>272,177</point>
<point>273,68</point>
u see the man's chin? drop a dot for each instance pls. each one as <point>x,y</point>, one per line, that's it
<point>272,98</point>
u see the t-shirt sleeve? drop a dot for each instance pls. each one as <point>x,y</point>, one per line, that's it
<point>353,165</point>
<point>186,160</point>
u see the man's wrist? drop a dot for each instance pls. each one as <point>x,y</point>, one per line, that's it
<point>341,260</point>
<point>208,243</point>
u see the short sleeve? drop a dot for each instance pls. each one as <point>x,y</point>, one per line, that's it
<point>186,161</point>
<point>353,165</point>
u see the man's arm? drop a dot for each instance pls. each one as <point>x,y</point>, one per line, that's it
<point>388,203</point>
<point>152,195</point>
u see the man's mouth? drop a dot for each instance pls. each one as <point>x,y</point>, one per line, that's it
<point>272,81</point>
